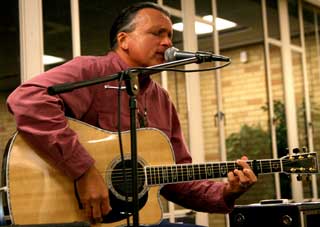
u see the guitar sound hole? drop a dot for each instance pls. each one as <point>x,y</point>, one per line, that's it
<point>122,178</point>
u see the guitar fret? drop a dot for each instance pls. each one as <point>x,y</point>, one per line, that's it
<point>275,166</point>
<point>270,166</point>
<point>202,172</point>
<point>230,166</point>
<point>209,171</point>
<point>154,175</point>
<point>190,172</point>
<point>169,174</point>
<point>199,172</point>
<point>157,175</point>
<point>180,173</point>
<point>164,174</point>
<point>194,177</point>
<point>161,175</point>
<point>223,169</point>
<point>255,166</point>
<point>260,167</point>
<point>267,167</point>
<point>174,174</point>
<point>149,177</point>
<point>184,173</point>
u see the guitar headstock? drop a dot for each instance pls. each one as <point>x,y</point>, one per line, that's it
<point>300,163</point>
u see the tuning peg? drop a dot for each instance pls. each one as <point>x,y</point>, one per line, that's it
<point>299,177</point>
<point>296,150</point>
<point>301,169</point>
<point>310,156</point>
<point>312,170</point>
<point>305,149</point>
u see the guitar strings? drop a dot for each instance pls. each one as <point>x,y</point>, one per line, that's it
<point>203,166</point>
<point>182,171</point>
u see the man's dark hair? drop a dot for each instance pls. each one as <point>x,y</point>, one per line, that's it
<point>125,20</point>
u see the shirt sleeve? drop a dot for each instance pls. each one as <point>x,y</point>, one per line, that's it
<point>204,195</point>
<point>40,118</point>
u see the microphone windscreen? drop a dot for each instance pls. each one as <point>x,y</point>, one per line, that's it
<point>169,54</point>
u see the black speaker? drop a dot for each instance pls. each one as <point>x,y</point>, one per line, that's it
<point>276,215</point>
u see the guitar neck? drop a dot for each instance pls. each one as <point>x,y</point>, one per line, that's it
<point>166,174</point>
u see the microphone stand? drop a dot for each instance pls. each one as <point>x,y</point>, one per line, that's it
<point>67,87</point>
<point>132,86</point>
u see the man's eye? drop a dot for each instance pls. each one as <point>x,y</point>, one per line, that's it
<point>156,33</point>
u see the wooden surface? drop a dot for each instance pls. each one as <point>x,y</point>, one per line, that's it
<point>38,193</point>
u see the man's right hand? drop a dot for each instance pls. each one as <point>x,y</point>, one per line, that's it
<point>93,195</point>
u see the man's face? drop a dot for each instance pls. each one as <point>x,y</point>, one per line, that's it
<point>146,44</point>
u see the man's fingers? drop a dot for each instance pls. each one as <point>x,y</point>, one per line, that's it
<point>105,207</point>
<point>96,211</point>
<point>87,210</point>
<point>250,174</point>
<point>243,163</point>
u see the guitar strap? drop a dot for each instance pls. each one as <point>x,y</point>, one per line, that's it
<point>77,194</point>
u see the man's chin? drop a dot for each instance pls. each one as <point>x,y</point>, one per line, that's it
<point>158,61</point>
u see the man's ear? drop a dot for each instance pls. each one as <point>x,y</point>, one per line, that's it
<point>122,38</point>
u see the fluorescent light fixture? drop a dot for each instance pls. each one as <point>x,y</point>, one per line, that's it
<point>202,28</point>
<point>48,59</point>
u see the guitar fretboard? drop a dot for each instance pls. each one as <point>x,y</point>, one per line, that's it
<point>166,174</point>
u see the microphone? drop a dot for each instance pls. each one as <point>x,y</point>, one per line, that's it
<point>173,54</point>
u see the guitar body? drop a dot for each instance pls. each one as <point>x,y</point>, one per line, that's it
<point>38,193</point>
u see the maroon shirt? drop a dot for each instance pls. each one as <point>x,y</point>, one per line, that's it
<point>41,119</point>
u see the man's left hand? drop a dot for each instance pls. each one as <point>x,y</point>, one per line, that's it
<point>239,181</point>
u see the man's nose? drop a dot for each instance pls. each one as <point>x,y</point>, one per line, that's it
<point>167,41</point>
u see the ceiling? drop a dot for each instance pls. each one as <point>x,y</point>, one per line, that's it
<point>96,17</point>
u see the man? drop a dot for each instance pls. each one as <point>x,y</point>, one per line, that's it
<point>139,37</point>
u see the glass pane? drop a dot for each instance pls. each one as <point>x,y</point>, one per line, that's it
<point>279,115</point>
<point>9,66</point>
<point>301,113</point>
<point>9,46</point>
<point>248,22</point>
<point>294,22</point>
<point>177,35</point>
<point>176,4</point>
<point>312,43</point>
<point>299,96</point>
<point>273,19</point>
<point>57,31</point>
<point>204,31</point>
<point>244,91</point>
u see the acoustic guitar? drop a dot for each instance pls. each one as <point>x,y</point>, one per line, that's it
<point>36,192</point>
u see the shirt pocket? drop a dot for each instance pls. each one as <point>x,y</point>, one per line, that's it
<point>108,111</point>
